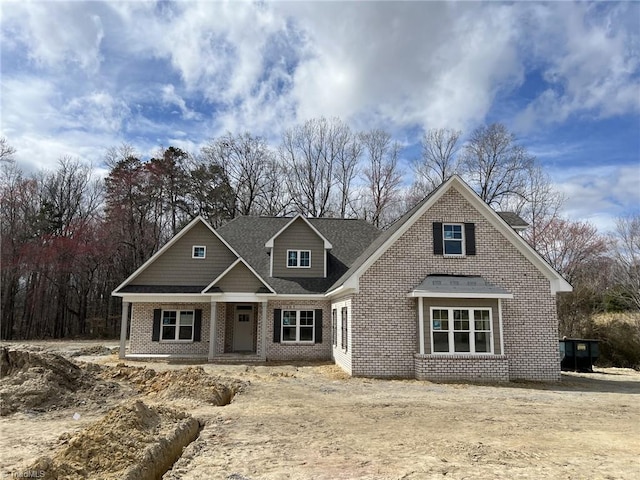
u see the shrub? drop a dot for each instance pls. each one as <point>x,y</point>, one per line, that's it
<point>619,336</point>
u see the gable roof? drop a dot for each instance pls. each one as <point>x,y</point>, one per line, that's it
<point>348,238</point>
<point>388,238</point>
<point>209,288</point>
<point>168,245</point>
<point>513,219</point>
<point>327,243</point>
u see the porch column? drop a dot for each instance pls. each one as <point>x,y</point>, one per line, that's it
<point>124,319</point>
<point>263,332</point>
<point>421,323</point>
<point>500,326</point>
<point>212,330</point>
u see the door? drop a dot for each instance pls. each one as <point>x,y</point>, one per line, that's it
<point>243,329</point>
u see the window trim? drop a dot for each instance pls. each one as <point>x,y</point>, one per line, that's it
<point>461,240</point>
<point>334,327</point>
<point>298,326</point>
<point>344,335</point>
<point>204,252</point>
<point>177,334</point>
<point>451,330</point>
<point>298,258</point>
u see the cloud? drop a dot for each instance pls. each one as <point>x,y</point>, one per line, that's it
<point>591,66</point>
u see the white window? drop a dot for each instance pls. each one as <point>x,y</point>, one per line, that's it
<point>177,325</point>
<point>298,258</point>
<point>461,330</point>
<point>298,326</point>
<point>452,234</point>
<point>199,251</point>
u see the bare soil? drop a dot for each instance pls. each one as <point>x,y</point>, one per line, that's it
<point>314,422</point>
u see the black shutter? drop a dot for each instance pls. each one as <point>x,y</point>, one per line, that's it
<point>277,321</point>
<point>157,314</point>
<point>437,238</point>
<point>197,325</point>
<point>318,326</point>
<point>470,238</point>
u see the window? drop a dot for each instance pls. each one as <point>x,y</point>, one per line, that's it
<point>199,251</point>
<point>461,330</point>
<point>452,238</point>
<point>345,329</point>
<point>334,326</point>
<point>177,325</point>
<point>298,326</point>
<point>298,258</point>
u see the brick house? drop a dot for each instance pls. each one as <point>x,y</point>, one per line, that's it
<point>449,291</point>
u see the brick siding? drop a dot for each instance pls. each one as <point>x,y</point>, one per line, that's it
<point>485,368</point>
<point>385,319</point>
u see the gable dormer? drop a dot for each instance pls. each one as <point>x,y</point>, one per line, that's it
<point>298,250</point>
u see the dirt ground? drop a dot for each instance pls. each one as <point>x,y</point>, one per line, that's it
<point>313,422</point>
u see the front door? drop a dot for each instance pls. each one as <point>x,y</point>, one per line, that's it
<point>243,329</point>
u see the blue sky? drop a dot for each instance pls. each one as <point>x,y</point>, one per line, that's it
<point>79,77</point>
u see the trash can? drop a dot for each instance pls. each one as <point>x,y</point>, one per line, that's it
<point>578,354</point>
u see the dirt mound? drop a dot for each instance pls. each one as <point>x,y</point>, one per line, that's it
<point>132,441</point>
<point>40,381</point>
<point>35,380</point>
<point>96,350</point>
<point>189,383</point>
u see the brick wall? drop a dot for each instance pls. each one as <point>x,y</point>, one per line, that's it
<point>485,368</point>
<point>301,351</point>
<point>142,327</point>
<point>385,319</point>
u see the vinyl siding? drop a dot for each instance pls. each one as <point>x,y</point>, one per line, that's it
<point>239,279</point>
<point>298,236</point>
<point>176,267</point>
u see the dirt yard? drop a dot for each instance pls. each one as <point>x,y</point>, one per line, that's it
<point>313,422</point>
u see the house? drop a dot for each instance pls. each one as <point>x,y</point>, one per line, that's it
<point>449,291</point>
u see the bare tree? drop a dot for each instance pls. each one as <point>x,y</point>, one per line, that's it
<point>382,174</point>
<point>6,150</point>
<point>569,246</point>
<point>495,165</point>
<point>310,153</point>
<point>626,253</point>
<point>439,159</point>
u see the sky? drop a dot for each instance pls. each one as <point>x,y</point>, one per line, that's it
<point>80,77</point>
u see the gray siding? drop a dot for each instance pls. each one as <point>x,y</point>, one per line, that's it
<point>176,267</point>
<point>239,279</point>
<point>461,302</point>
<point>298,236</point>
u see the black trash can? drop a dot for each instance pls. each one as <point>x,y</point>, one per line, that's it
<point>578,354</point>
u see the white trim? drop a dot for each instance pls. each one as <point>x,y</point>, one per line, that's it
<point>298,258</point>
<point>168,245</point>
<point>463,247</point>
<point>326,242</point>
<point>421,324</point>
<point>163,297</point>
<point>425,294</point>
<point>298,326</point>
<point>472,330</point>
<point>124,318</point>
<point>324,273</point>
<point>193,252</point>
<point>262,347</point>
<point>557,283</point>
<point>500,325</point>
<point>212,329</point>
<point>177,325</point>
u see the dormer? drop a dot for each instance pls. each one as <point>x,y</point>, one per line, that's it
<point>298,250</point>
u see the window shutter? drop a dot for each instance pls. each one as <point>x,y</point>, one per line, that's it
<point>157,314</point>
<point>318,326</point>
<point>437,238</point>
<point>197,325</point>
<point>470,238</point>
<point>277,320</point>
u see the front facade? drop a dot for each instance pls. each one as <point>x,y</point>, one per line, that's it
<point>450,291</point>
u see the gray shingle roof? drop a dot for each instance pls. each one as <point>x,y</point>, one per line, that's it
<point>457,284</point>
<point>247,235</point>
<point>514,220</point>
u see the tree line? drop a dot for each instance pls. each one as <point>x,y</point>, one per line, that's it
<point>69,238</point>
